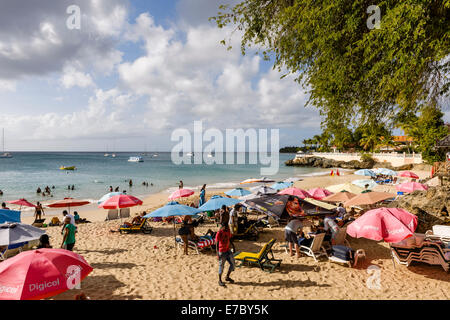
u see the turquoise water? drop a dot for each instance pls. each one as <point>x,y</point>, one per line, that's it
<point>21,175</point>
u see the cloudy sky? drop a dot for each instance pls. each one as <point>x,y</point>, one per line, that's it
<point>133,73</point>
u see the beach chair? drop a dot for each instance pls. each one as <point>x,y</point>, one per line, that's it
<point>143,227</point>
<point>124,213</point>
<point>316,249</point>
<point>264,258</point>
<point>113,214</point>
<point>272,222</point>
<point>38,223</point>
<point>204,243</point>
<point>341,237</point>
<point>250,232</point>
<point>11,250</point>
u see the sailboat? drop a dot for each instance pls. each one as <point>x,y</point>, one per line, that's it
<point>4,155</point>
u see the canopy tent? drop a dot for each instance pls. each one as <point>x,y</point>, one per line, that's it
<point>9,216</point>
<point>280,206</point>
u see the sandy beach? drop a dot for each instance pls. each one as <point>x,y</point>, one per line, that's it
<point>138,266</point>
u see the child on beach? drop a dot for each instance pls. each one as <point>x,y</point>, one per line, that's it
<point>223,240</point>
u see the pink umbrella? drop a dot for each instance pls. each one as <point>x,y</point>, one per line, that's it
<point>388,224</point>
<point>319,193</point>
<point>296,192</point>
<point>408,174</point>
<point>22,203</point>
<point>411,186</point>
<point>181,193</point>
<point>120,201</point>
<point>39,274</point>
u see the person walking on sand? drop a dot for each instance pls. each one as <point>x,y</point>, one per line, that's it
<point>180,186</point>
<point>130,183</point>
<point>223,241</point>
<point>38,211</point>
<point>68,241</point>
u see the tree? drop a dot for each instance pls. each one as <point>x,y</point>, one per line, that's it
<point>426,130</point>
<point>352,72</point>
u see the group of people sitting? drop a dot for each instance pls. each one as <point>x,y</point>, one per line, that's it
<point>75,218</point>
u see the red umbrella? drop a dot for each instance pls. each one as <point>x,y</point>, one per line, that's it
<point>319,193</point>
<point>181,193</point>
<point>67,203</point>
<point>39,274</point>
<point>411,186</point>
<point>22,203</point>
<point>408,174</point>
<point>120,201</point>
<point>296,192</point>
<point>388,224</point>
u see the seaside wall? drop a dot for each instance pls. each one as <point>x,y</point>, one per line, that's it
<point>395,159</point>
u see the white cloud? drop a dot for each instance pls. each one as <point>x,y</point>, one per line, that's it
<point>74,78</point>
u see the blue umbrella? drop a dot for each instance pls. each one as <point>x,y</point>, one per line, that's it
<point>366,172</point>
<point>281,185</point>
<point>107,196</point>
<point>238,192</point>
<point>216,202</point>
<point>173,209</point>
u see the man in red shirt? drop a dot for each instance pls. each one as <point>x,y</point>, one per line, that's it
<point>223,238</point>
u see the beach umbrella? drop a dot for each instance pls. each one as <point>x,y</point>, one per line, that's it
<point>9,216</point>
<point>408,174</point>
<point>293,179</point>
<point>14,233</point>
<point>388,224</point>
<point>181,193</point>
<point>319,193</point>
<point>68,203</point>
<point>42,273</point>
<point>368,198</point>
<point>385,171</point>
<point>339,197</point>
<point>411,186</point>
<point>362,183</point>
<point>216,202</point>
<point>238,192</point>
<point>251,180</point>
<point>121,201</point>
<point>302,194</point>
<point>107,196</point>
<point>345,187</point>
<point>281,185</point>
<point>248,197</point>
<point>320,204</point>
<point>22,203</point>
<point>264,190</point>
<point>173,209</point>
<point>365,172</point>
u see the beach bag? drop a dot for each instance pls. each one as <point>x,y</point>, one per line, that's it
<point>342,252</point>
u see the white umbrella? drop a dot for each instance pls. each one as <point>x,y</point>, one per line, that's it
<point>15,233</point>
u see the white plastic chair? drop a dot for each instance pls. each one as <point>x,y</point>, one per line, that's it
<point>316,249</point>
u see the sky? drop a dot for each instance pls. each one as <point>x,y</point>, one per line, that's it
<point>135,71</point>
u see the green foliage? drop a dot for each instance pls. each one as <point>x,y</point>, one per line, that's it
<point>366,157</point>
<point>353,74</point>
<point>289,149</point>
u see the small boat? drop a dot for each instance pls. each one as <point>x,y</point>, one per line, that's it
<point>155,155</point>
<point>6,155</point>
<point>106,155</point>
<point>135,159</point>
<point>113,155</point>
<point>68,168</point>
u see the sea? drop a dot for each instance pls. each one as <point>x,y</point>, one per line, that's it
<point>21,175</point>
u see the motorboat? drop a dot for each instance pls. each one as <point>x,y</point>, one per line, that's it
<point>135,159</point>
<point>68,168</point>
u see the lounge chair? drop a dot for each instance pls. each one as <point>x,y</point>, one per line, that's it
<point>264,258</point>
<point>250,232</point>
<point>124,213</point>
<point>272,222</point>
<point>421,248</point>
<point>12,250</point>
<point>143,227</point>
<point>316,249</point>
<point>204,242</point>
<point>112,215</point>
<point>341,236</point>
